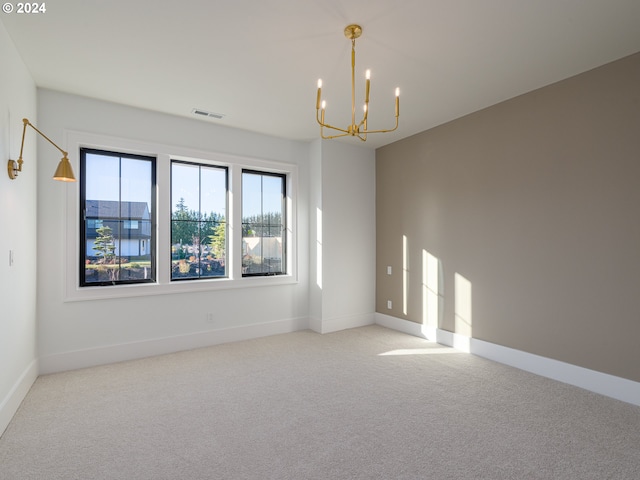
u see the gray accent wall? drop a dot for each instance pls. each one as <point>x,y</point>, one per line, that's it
<point>520,224</point>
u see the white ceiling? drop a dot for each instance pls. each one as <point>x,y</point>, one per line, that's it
<point>258,61</point>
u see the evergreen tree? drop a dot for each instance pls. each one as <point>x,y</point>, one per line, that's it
<point>262,225</point>
<point>105,245</point>
<point>218,239</point>
<point>184,224</point>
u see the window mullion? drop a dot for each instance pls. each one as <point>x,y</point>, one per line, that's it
<point>119,219</point>
<point>199,230</point>
<point>163,243</point>
<point>234,242</point>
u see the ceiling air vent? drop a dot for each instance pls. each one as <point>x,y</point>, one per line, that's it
<point>204,113</point>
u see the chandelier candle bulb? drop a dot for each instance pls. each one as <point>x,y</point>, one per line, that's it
<point>397,102</point>
<point>319,93</point>
<point>368,84</point>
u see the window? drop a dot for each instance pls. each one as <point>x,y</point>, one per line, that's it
<point>116,193</point>
<point>198,221</point>
<point>263,223</point>
<point>183,210</point>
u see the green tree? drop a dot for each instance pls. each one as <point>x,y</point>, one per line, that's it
<point>184,224</point>
<point>218,240</point>
<point>105,245</point>
<point>261,225</point>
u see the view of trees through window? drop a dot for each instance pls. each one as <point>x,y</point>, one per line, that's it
<point>198,221</point>
<point>263,227</point>
<point>116,221</point>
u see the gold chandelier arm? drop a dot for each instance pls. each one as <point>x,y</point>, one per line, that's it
<point>363,122</point>
<point>332,136</point>
<point>326,125</point>
<point>382,131</point>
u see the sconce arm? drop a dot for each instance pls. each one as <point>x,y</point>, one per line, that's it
<point>27,122</point>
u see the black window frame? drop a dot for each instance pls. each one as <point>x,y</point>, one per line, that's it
<point>83,219</point>
<point>283,224</point>
<point>226,221</point>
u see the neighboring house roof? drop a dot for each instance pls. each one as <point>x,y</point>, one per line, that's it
<point>115,209</point>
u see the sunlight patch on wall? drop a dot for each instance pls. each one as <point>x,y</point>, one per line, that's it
<point>319,247</point>
<point>405,274</point>
<point>430,290</point>
<point>462,293</point>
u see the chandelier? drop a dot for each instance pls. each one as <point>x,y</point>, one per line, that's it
<point>359,130</point>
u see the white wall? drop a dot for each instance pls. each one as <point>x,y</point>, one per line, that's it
<point>41,331</point>
<point>315,236</point>
<point>335,177</point>
<point>80,333</point>
<point>343,236</point>
<point>18,363</point>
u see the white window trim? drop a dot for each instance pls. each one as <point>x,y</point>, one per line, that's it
<point>163,284</point>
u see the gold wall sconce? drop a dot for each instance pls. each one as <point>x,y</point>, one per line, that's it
<point>64,172</point>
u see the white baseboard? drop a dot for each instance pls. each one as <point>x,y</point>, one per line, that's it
<point>315,324</point>
<point>598,382</point>
<point>341,323</point>
<point>433,334</point>
<point>410,328</point>
<point>130,351</point>
<point>10,404</point>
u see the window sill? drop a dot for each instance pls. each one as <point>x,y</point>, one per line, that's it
<point>149,289</point>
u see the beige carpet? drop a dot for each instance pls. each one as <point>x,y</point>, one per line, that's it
<point>368,403</point>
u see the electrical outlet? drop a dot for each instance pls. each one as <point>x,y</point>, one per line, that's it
<point>389,270</point>
<point>210,318</point>
<point>389,304</point>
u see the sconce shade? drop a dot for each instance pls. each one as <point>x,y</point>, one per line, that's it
<point>64,172</point>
